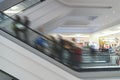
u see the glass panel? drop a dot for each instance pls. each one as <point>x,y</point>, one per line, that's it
<point>21,6</point>
<point>100,62</point>
<point>62,51</point>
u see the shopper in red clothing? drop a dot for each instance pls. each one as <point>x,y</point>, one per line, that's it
<point>76,57</point>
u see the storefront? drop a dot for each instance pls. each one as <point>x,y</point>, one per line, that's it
<point>107,42</point>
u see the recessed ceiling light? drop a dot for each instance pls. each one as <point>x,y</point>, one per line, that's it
<point>11,12</point>
<point>14,8</point>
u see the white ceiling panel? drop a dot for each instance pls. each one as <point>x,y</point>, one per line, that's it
<point>88,16</point>
<point>89,2</point>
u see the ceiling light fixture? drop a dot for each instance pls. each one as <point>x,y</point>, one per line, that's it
<point>84,6</point>
<point>11,12</point>
<point>99,7</point>
<point>14,8</point>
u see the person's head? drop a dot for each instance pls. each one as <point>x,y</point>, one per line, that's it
<point>25,18</point>
<point>41,29</point>
<point>17,18</point>
<point>60,37</point>
<point>52,38</point>
<point>73,39</point>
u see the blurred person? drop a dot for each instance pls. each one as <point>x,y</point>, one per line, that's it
<point>40,43</point>
<point>15,25</point>
<point>118,60</point>
<point>73,40</point>
<point>76,57</point>
<point>66,57</point>
<point>20,25</point>
<point>111,49</point>
<point>54,48</point>
<point>61,41</point>
<point>26,23</point>
<point>117,55</point>
<point>41,29</point>
<point>17,19</point>
<point>92,52</point>
<point>60,47</point>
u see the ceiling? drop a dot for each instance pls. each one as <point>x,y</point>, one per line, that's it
<point>88,16</point>
<point>83,16</point>
<point>5,4</point>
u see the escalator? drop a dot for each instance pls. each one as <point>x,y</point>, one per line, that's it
<point>100,65</point>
